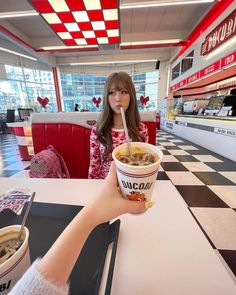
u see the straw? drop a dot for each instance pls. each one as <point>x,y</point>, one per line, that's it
<point>126,131</point>
<point>26,215</point>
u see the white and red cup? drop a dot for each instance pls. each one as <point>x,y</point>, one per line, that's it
<point>13,268</point>
<point>137,182</point>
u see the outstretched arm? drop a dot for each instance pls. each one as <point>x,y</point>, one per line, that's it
<point>107,205</point>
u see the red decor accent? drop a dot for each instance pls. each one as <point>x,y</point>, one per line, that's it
<point>144,100</point>
<point>223,32</point>
<point>228,59</point>
<point>66,17</point>
<point>75,4</point>
<point>210,69</point>
<point>97,101</point>
<point>43,101</point>
<point>225,61</point>
<point>57,89</point>
<point>44,7</point>
<point>59,27</point>
<point>95,15</point>
<point>80,13</point>
<point>210,17</point>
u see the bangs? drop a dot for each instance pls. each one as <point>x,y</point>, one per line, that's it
<point>117,83</point>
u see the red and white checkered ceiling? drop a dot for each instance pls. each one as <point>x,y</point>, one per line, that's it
<point>82,22</point>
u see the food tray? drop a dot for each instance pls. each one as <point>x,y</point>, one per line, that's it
<point>45,223</point>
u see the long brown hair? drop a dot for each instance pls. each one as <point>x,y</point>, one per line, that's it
<point>120,80</point>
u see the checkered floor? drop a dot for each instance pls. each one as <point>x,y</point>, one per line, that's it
<point>205,180</point>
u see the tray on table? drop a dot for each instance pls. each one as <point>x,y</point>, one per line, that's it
<point>45,223</point>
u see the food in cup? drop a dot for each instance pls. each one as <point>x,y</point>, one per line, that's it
<point>137,174</point>
<point>15,259</point>
<point>9,247</point>
<point>139,157</point>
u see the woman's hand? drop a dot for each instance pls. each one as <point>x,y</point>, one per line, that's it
<point>108,203</point>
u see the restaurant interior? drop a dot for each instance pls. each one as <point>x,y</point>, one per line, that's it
<point>56,55</point>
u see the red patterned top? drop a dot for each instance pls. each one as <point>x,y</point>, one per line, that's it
<point>99,167</point>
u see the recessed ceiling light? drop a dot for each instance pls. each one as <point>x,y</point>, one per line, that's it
<point>80,16</point>
<point>98,26</point>
<point>59,5</point>
<point>65,35</point>
<point>110,14</point>
<point>72,27</point>
<point>92,5</point>
<point>112,33</point>
<point>103,40</point>
<point>51,18</point>
<point>81,41</point>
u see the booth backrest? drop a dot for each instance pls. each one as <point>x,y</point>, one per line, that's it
<point>70,135</point>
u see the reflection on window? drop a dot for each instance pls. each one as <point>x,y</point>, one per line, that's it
<point>187,62</point>
<point>23,86</point>
<point>80,89</point>
<point>176,71</point>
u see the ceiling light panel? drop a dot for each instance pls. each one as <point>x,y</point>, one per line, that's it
<point>82,22</point>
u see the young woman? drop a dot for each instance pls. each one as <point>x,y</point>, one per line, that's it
<point>49,275</point>
<point>119,92</point>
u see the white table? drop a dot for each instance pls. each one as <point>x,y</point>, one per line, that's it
<point>160,252</point>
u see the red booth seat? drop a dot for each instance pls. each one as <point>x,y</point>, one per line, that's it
<point>69,133</point>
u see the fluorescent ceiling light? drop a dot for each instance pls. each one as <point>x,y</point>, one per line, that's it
<point>150,42</point>
<point>167,3</point>
<point>12,14</point>
<point>17,53</point>
<point>66,47</point>
<point>112,62</point>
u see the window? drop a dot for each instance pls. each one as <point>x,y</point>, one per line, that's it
<point>176,71</point>
<point>24,85</point>
<point>187,62</point>
<point>80,89</point>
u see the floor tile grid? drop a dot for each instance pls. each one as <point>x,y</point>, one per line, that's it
<point>212,200</point>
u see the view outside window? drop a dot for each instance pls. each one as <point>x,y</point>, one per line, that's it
<point>81,89</point>
<point>23,86</point>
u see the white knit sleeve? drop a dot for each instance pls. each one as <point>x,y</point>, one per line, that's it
<point>33,283</point>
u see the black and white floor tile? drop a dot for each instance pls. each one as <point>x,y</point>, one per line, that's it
<point>206,181</point>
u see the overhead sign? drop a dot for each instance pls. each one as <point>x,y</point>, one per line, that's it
<point>226,61</point>
<point>223,32</point>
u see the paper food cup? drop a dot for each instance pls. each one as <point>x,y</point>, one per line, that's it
<point>13,268</point>
<point>137,182</point>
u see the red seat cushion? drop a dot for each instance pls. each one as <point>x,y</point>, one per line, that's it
<point>72,142</point>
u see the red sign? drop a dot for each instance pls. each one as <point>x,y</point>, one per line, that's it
<point>193,78</point>
<point>210,69</point>
<point>228,59</point>
<point>223,32</point>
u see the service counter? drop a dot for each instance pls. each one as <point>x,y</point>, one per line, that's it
<point>218,134</point>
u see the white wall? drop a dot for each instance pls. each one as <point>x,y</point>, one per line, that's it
<point>200,62</point>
